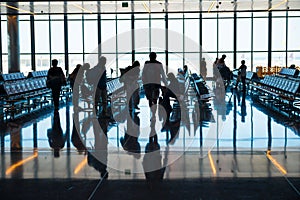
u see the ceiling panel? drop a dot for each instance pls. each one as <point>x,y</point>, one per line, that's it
<point>58,7</point>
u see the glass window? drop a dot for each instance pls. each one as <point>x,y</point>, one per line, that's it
<point>244,34</point>
<point>158,39</point>
<point>90,36</point>
<point>57,37</point>
<point>278,34</point>
<point>5,64</point>
<point>25,38</point>
<point>4,36</point>
<point>294,58</point>
<point>209,34</point>
<point>75,36</point>
<point>124,36</point>
<point>260,59</point>
<point>192,61</point>
<point>143,57</point>
<point>41,36</point>
<point>25,64</point>
<point>108,34</point>
<point>293,34</point>
<point>142,36</point>
<point>191,35</point>
<point>42,62</point>
<point>278,59</point>
<point>75,59</point>
<point>175,62</point>
<point>260,34</point>
<point>175,39</point>
<point>225,35</point>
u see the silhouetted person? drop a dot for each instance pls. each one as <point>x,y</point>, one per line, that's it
<point>73,75</point>
<point>171,91</point>
<point>292,66</point>
<point>101,90</point>
<point>55,135</point>
<point>242,75</point>
<point>152,75</point>
<point>152,161</point>
<point>203,69</point>
<point>98,156</point>
<point>243,107</point>
<point>221,61</point>
<point>185,70</point>
<point>55,79</point>
<point>76,140</point>
<point>130,79</point>
<point>224,70</point>
<point>130,140</point>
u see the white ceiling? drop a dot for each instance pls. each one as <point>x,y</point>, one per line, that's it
<point>58,7</point>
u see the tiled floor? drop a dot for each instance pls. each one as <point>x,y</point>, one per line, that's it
<point>237,138</point>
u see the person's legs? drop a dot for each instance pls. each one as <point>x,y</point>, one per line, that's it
<point>148,93</point>
<point>55,96</point>
<point>136,98</point>
<point>97,98</point>
<point>104,100</point>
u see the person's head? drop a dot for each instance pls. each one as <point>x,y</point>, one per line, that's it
<point>78,65</point>
<point>86,66</point>
<point>203,59</point>
<point>171,76</point>
<point>152,56</point>
<point>54,63</point>
<point>243,62</point>
<point>223,56</point>
<point>102,60</point>
<point>136,64</point>
<point>185,68</point>
<point>293,66</point>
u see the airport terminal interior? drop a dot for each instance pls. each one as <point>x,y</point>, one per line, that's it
<point>211,110</point>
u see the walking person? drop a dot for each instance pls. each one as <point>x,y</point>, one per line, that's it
<point>242,75</point>
<point>55,79</point>
<point>203,69</point>
<point>152,75</point>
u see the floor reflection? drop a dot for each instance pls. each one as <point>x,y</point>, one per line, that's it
<point>134,142</point>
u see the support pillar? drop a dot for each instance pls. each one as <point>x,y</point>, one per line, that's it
<point>13,39</point>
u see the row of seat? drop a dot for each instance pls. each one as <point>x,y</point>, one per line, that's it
<point>36,74</point>
<point>10,90</point>
<point>281,85</point>
<point>12,76</point>
<point>289,72</point>
<point>114,85</point>
<point>200,87</point>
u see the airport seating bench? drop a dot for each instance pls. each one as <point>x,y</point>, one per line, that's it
<point>12,77</point>
<point>279,87</point>
<point>280,92</point>
<point>25,95</point>
<point>200,87</point>
<point>36,74</point>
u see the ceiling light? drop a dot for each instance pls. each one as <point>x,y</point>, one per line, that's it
<point>18,9</point>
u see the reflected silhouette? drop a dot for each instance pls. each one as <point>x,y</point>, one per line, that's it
<point>76,141</point>
<point>243,107</point>
<point>219,101</point>
<point>97,157</point>
<point>55,135</point>
<point>130,140</point>
<point>152,162</point>
<point>15,135</point>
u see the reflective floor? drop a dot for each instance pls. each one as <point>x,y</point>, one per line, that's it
<point>232,137</point>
